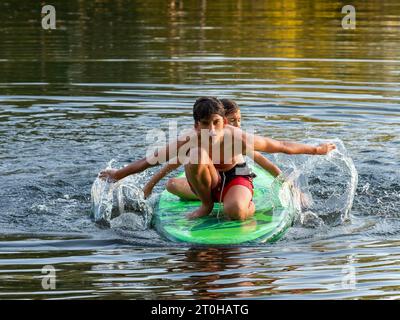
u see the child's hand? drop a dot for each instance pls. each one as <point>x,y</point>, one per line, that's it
<point>325,148</point>
<point>109,175</point>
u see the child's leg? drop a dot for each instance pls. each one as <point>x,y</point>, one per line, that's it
<point>203,176</point>
<point>180,187</point>
<point>238,204</point>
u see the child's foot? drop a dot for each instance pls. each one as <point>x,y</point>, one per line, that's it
<point>200,212</point>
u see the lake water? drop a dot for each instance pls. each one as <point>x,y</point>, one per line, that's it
<point>73,98</point>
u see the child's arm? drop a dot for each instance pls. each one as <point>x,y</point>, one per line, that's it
<point>148,188</point>
<point>266,164</point>
<point>160,156</point>
<point>269,145</point>
<point>118,174</point>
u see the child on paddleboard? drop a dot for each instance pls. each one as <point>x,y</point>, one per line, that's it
<point>212,153</point>
<point>180,186</point>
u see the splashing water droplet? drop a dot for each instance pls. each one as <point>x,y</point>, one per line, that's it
<point>122,201</point>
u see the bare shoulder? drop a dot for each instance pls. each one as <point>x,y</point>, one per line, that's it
<point>233,130</point>
<point>236,133</point>
<point>229,128</point>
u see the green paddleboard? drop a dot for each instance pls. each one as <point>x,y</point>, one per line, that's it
<point>274,215</point>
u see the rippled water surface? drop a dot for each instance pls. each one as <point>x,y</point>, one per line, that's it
<point>74,98</point>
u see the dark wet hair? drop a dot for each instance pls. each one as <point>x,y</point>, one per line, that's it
<point>230,106</point>
<point>204,107</point>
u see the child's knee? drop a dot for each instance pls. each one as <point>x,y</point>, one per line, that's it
<point>171,185</point>
<point>236,211</point>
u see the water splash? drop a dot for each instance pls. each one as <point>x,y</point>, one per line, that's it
<point>120,204</point>
<point>321,190</point>
<point>322,187</point>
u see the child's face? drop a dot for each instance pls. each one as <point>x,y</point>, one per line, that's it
<point>214,125</point>
<point>234,119</point>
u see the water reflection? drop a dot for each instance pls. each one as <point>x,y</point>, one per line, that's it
<point>322,269</point>
<point>212,269</point>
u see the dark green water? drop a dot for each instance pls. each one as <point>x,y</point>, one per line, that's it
<point>73,98</point>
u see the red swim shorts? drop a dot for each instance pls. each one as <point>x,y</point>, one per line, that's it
<point>236,181</point>
<point>245,181</point>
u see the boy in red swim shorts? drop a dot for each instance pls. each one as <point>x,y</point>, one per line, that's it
<point>239,175</point>
<point>212,148</point>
